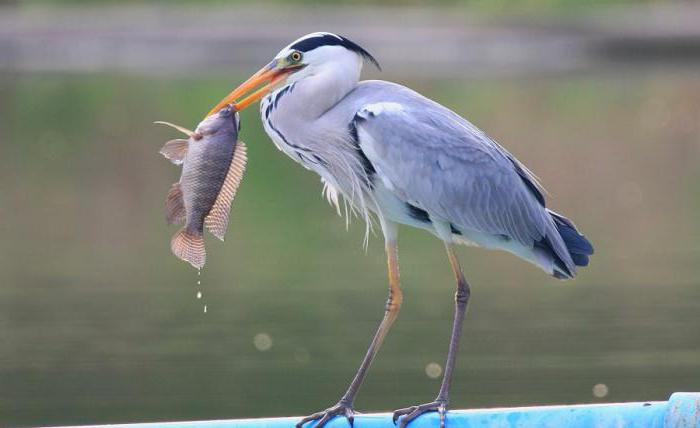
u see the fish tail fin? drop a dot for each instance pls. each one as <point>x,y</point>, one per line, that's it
<point>174,205</point>
<point>189,246</point>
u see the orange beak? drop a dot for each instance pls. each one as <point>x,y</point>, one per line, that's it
<point>269,75</point>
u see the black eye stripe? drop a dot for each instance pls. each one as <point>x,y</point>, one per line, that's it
<point>316,41</point>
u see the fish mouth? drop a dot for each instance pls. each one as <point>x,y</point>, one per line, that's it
<point>268,76</point>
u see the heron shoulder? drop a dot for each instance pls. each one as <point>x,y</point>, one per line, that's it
<point>374,109</point>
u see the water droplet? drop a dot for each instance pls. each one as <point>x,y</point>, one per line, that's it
<point>600,390</point>
<point>433,370</point>
<point>262,342</point>
<point>199,286</point>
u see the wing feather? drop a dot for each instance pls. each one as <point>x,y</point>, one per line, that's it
<point>445,165</point>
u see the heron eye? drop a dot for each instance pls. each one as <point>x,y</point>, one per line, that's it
<point>295,56</point>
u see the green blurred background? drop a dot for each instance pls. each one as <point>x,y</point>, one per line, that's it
<point>99,323</point>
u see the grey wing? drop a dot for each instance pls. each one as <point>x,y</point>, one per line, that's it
<point>439,162</point>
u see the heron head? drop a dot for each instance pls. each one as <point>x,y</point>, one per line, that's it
<point>304,57</point>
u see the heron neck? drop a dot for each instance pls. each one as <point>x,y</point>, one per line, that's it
<point>314,95</point>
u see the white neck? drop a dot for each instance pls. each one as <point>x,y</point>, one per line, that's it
<point>300,126</point>
<point>318,88</point>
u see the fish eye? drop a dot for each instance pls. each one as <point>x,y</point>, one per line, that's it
<point>295,56</point>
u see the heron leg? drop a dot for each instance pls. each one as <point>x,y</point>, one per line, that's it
<point>393,305</point>
<point>441,401</point>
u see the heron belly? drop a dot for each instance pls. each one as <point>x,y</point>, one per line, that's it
<point>397,210</point>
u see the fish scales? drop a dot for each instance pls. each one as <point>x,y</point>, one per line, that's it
<point>203,174</point>
<point>213,162</point>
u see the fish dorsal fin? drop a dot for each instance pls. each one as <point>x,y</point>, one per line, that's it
<point>217,219</point>
<point>175,151</point>
<point>174,205</point>
<point>178,127</point>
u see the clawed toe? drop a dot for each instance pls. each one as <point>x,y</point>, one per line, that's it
<point>410,413</point>
<point>325,416</point>
<point>401,412</point>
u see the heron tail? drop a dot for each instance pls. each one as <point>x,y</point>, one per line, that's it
<point>562,249</point>
<point>577,245</point>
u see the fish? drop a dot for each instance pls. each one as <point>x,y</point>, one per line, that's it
<point>213,162</point>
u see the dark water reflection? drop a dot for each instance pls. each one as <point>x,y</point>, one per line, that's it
<point>99,323</point>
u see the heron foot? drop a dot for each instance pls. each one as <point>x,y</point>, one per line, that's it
<point>411,413</point>
<point>323,417</point>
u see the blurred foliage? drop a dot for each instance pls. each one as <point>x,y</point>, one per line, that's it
<point>99,322</point>
<point>483,6</point>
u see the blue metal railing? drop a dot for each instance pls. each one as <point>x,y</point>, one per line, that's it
<point>682,410</point>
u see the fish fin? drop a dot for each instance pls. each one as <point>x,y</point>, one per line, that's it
<point>217,219</point>
<point>189,247</point>
<point>178,127</point>
<point>175,150</point>
<point>174,205</point>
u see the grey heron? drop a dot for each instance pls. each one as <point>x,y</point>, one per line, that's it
<point>395,155</point>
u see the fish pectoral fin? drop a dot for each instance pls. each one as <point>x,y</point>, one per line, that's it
<point>174,205</point>
<point>217,219</point>
<point>175,150</point>
<point>189,247</point>
<point>182,129</point>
